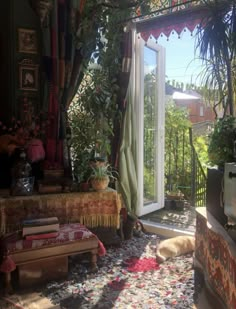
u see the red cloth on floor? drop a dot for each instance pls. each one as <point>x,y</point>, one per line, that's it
<point>134,264</point>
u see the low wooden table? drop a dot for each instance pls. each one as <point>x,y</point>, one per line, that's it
<point>42,260</point>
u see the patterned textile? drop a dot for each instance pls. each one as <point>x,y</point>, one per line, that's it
<point>67,233</point>
<point>92,209</point>
<point>177,21</point>
<point>173,5</point>
<point>62,59</point>
<point>215,251</point>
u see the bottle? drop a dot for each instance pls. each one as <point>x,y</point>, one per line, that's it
<point>21,168</point>
<point>22,182</point>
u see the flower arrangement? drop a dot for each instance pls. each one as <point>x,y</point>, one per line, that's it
<point>30,126</point>
<point>25,132</point>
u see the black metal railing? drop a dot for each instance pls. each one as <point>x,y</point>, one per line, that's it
<point>198,186</point>
<point>183,170</point>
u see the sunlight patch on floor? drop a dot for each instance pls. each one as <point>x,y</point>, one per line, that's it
<point>164,230</point>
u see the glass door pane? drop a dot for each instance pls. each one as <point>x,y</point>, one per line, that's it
<point>150,127</point>
<point>150,101</point>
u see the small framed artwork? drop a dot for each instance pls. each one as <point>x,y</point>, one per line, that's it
<point>28,77</point>
<point>27,41</point>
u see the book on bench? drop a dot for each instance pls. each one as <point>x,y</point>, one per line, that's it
<point>39,226</point>
<point>46,235</point>
<point>40,221</point>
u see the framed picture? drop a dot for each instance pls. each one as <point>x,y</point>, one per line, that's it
<point>28,77</point>
<point>27,41</point>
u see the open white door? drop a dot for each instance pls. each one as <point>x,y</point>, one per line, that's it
<point>150,102</point>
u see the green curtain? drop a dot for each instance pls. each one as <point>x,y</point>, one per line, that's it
<point>128,153</point>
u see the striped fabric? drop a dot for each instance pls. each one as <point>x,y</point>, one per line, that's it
<point>62,68</point>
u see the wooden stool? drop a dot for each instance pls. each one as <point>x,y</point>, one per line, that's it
<point>43,260</point>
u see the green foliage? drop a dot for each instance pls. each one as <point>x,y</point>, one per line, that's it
<point>177,150</point>
<point>201,147</point>
<point>216,43</point>
<point>82,142</point>
<point>221,147</point>
<point>94,110</point>
<point>100,171</point>
<point>149,190</point>
<point>176,118</point>
<point>98,97</point>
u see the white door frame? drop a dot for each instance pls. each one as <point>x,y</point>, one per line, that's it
<point>139,102</point>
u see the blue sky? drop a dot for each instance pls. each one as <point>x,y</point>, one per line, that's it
<point>179,58</point>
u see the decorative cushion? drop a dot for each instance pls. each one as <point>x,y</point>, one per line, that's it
<point>67,233</point>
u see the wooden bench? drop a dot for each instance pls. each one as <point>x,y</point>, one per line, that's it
<point>42,260</point>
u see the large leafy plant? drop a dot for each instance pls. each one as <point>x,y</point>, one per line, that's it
<point>98,97</point>
<point>82,142</point>
<point>95,108</point>
<point>216,44</point>
<point>222,139</point>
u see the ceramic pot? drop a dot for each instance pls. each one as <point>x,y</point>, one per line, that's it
<point>99,184</point>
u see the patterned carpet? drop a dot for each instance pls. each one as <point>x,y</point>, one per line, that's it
<point>127,277</point>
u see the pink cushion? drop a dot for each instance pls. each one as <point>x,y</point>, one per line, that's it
<point>67,233</point>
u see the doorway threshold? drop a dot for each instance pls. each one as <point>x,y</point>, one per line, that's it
<point>164,229</point>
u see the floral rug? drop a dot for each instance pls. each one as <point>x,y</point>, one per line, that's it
<point>127,277</point>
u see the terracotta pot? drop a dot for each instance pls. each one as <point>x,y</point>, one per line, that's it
<point>99,184</point>
<point>84,186</point>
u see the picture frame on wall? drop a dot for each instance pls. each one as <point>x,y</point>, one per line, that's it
<point>27,41</point>
<point>28,77</point>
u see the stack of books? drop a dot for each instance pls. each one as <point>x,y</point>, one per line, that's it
<point>40,228</point>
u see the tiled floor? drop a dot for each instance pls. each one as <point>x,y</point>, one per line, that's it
<point>183,219</point>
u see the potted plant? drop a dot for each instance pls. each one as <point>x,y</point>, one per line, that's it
<point>222,140</point>
<point>216,44</point>
<point>101,175</point>
<point>220,150</point>
<point>82,170</point>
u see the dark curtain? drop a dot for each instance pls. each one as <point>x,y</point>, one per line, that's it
<point>126,52</point>
<point>62,63</point>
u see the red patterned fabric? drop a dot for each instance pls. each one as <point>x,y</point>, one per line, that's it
<point>91,209</point>
<point>176,21</point>
<point>67,233</point>
<point>215,251</point>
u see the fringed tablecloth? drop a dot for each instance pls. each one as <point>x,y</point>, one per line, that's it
<point>93,209</point>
